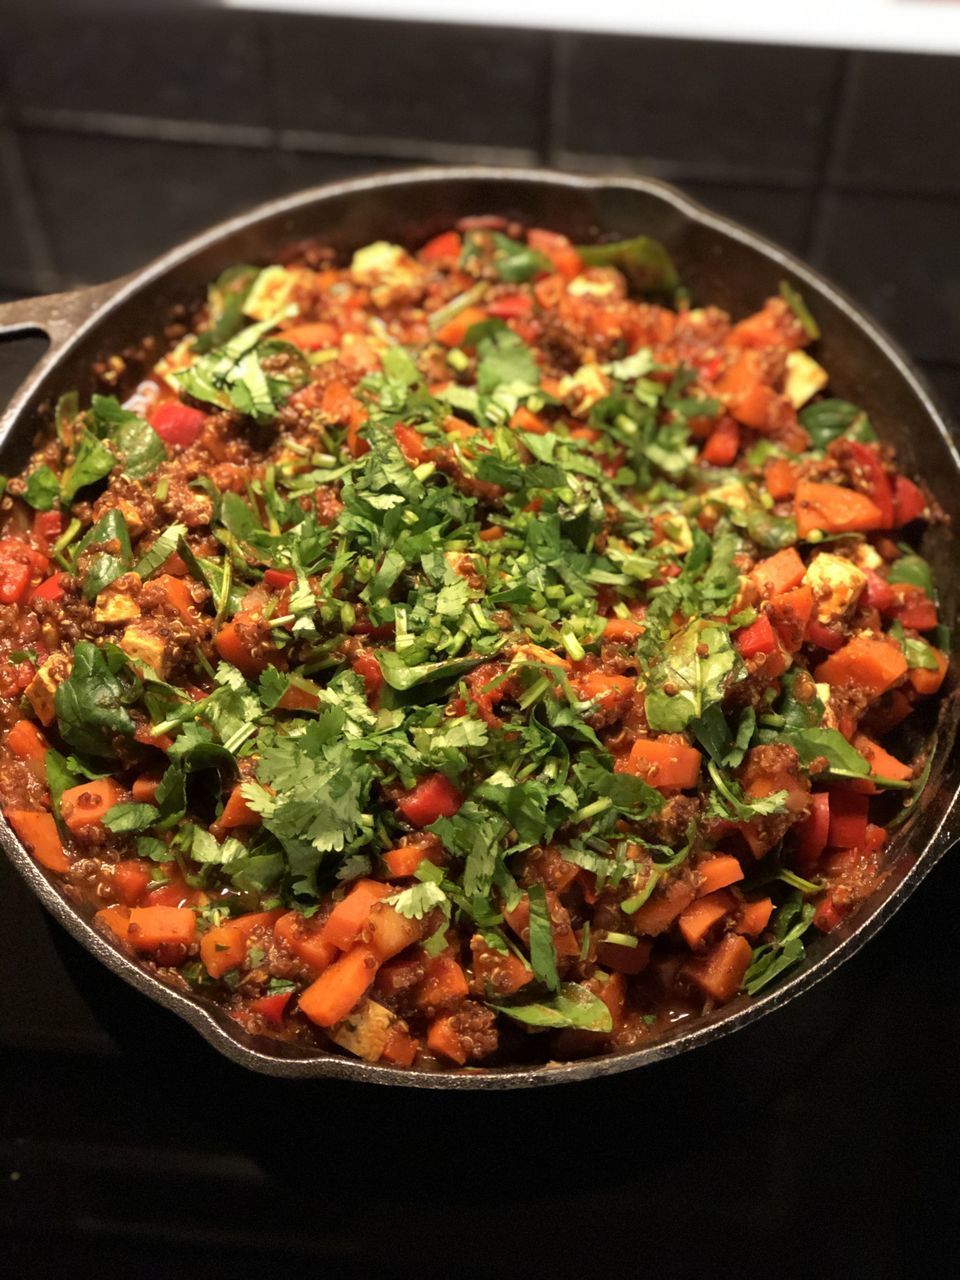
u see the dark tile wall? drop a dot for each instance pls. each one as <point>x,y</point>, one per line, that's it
<point>123,131</point>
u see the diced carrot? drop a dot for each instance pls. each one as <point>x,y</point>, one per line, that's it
<point>500,972</point>
<point>622,630</point>
<point>400,1048</point>
<point>348,917</point>
<point>759,638</point>
<point>232,647</point>
<point>623,959</point>
<point>561,254</point>
<point>717,873</point>
<point>130,880</point>
<point>388,932</point>
<point>722,446</point>
<point>339,988</point>
<point>177,595</point>
<point>833,509</point>
<point>753,917</point>
<point>661,909</point>
<point>443,984</point>
<point>720,972</point>
<point>524,420</point>
<point>609,690</point>
<point>780,478</point>
<point>223,948</point>
<point>665,763</point>
<point>404,860</point>
<point>929,681</point>
<point>747,398</point>
<point>38,831</point>
<point>698,919</point>
<point>237,813</point>
<point>779,573</point>
<point>564,938</point>
<point>491,534</point>
<point>790,614</point>
<point>85,805</point>
<point>870,664</point>
<point>303,938</point>
<point>147,928</point>
<point>454,331</point>
<point>444,1040</point>
<point>313,336</point>
<point>144,789</point>
<point>613,993</point>
<point>882,763</point>
<point>442,248</point>
<point>26,741</point>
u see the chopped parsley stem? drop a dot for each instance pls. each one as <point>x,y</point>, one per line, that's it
<point>630,905</point>
<point>591,810</point>
<point>573,646</point>
<point>68,535</point>
<point>534,693</point>
<point>798,882</point>
<point>282,621</point>
<point>425,470</point>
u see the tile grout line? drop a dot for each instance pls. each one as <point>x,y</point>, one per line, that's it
<point>41,264</point>
<point>842,105</point>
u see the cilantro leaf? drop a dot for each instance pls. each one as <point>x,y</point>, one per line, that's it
<point>572,1005</point>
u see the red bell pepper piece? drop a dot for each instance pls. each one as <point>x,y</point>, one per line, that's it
<point>878,594</point>
<point>848,819</point>
<point>823,637</point>
<point>909,502</point>
<point>279,578</point>
<point>271,1008</point>
<point>50,589</point>
<point>721,449</point>
<point>177,423</point>
<point>368,668</point>
<point>878,481</point>
<point>47,527</point>
<point>810,836</point>
<point>432,798</point>
<point>758,638</point>
<point>515,306</point>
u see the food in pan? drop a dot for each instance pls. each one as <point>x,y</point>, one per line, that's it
<point>465,655</point>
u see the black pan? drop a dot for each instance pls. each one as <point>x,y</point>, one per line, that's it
<point>721,263</point>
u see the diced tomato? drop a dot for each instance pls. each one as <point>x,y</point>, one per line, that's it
<point>47,527</point>
<point>176,423</point>
<point>512,307</point>
<point>130,880</point>
<point>432,798</point>
<point>19,563</point>
<point>879,488</point>
<point>878,593</point>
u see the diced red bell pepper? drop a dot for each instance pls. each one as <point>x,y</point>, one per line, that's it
<point>14,581</point>
<point>823,637</point>
<point>47,527</point>
<point>271,1008</point>
<point>50,589</point>
<point>758,638</point>
<point>913,607</point>
<point>879,487</point>
<point>878,593</point>
<point>848,819</point>
<point>279,578</point>
<point>514,306</point>
<point>368,668</point>
<point>441,248</point>
<point>810,836</point>
<point>177,423</point>
<point>909,502</point>
<point>432,798</point>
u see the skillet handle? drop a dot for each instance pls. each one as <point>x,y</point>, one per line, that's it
<point>58,315</point>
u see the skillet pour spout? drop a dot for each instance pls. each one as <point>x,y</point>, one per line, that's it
<point>718,260</point>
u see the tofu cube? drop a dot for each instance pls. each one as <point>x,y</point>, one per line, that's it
<point>734,495</point>
<point>364,1032</point>
<point>115,607</point>
<point>803,378</point>
<point>149,648</point>
<point>42,689</point>
<point>272,291</point>
<point>836,584</point>
<point>583,389</point>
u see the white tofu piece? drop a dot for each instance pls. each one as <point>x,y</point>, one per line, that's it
<point>733,494</point>
<point>364,1032</point>
<point>273,289</point>
<point>115,607</point>
<point>149,648</point>
<point>867,557</point>
<point>42,689</point>
<point>583,389</point>
<point>387,270</point>
<point>836,584</point>
<point>803,378</point>
<point>830,718</point>
<point>584,286</point>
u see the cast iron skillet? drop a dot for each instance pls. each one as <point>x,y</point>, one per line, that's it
<point>721,263</point>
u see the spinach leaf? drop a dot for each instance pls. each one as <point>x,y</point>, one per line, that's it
<point>163,547</point>
<point>644,261</point>
<point>571,1006</point>
<point>59,777</point>
<point>912,569</point>
<point>684,682</point>
<point>106,566</point>
<point>543,954</point>
<point>843,760</point>
<point>825,420</point>
<point>92,461</point>
<point>43,489</point>
<point>225,299</point>
<point>917,652</point>
<point>786,950</point>
<point>91,704</point>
